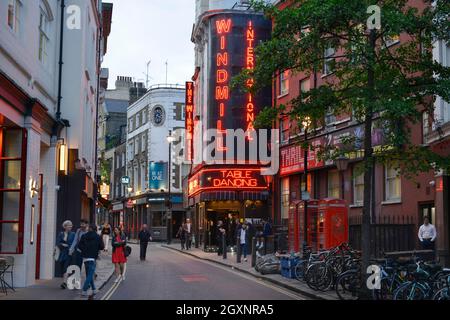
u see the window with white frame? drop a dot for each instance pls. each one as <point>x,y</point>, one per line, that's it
<point>333,184</point>
<point>130,151</point>
<point>392,183</point>
<point>144,116</point>
<point>284,83</point>
<point>123,159</point>
<point>284,129</point>
<point>441,53</point>
<point>130,124</point>
<point>137,145</point>
<point>358,184</point>
<point>138,120</point>
<point>182,112</point>
<point>285,198</point>
<point>305,86</point>
<point>44,40</point>
<point>330,117</point>
<point>425,126</point>
<point>14,12</point>
<point>144,142</point>
<point>328,61</point>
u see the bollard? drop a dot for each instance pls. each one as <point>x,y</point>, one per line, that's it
<point>238,250</point>
<point>224,246</point>
<point>253,251</point>
<point>269,244</point>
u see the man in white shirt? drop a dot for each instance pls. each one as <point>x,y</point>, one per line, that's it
<point>427,234</point>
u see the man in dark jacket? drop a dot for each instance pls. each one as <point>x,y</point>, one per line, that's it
<point>144,237</point>
<point>90,244</point>
<point>220,236</point>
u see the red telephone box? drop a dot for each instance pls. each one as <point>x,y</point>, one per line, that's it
<point>311,232</point>
<point>330,224</point>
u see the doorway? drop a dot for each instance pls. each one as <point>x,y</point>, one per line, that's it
<point>427,210</point>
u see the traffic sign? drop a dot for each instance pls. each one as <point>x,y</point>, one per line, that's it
<point>125,180</point>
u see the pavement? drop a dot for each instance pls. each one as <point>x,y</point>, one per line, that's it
<point>245,267</point>
<point>50,289</point>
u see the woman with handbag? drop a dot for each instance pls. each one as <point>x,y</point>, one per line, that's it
<point>119,242</point>
<point>63,243</point>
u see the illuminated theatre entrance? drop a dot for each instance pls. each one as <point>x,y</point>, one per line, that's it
<point>227,195</point>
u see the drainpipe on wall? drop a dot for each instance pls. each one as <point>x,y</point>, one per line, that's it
<point>96,180</point>
<point>60,123</point>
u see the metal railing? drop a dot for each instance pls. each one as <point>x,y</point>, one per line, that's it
<point>166,86</point>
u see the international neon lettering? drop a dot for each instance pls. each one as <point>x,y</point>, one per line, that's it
<point>189,119</point>
<point>250,65</point>
<point>222,90</point>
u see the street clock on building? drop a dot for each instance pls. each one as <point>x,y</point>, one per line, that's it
<point>158,115</point>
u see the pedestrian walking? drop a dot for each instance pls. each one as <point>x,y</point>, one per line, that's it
<point>119,242</point>
<point>106,232</point>
<point>74,251</point>
<point>188,228</point>
<point>220,234</point>
<point>144,237</point>
<point>63,242</point>
<point>427,234</point>
<point>181,234</point>
<point>90,244</point>
<point>243,239</point>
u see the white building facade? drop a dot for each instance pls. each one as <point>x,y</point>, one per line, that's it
<point>151,119</point>
<point>32,125</point>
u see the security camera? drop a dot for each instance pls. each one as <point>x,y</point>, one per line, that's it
<point>57,188</point>
<point>432,183</point>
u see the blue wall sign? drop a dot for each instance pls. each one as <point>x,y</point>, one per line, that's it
<point>157,175</point>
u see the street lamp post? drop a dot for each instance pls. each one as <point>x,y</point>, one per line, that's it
<point>342,164</point>
<point>306,123</point>
<point>170,139</point>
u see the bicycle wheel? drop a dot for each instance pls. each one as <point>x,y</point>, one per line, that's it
<point>386,291</point>
<point>300,270</point>
<point>409,291</point>
<point>348,285</point>
<point>326,280</point>
<point>315,275</point>
<point>443,294</point>
<point>441,280</point>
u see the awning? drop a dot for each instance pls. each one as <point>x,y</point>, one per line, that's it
<point>233,195</point>
<point>102,202</point>
<point>218,195</point>
<point>254,195</point>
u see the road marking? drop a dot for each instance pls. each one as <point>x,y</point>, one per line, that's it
<point>242,275</point>
<point>194,278</point>
<point>111,291</point>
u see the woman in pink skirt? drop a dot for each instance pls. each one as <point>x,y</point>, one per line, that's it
<point>119,241</point>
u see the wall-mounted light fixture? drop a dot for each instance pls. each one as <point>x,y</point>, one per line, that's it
<point>33,187</point>
<point>62,156</point>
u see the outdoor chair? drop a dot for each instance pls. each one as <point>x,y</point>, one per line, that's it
<point>6,268</point>
<point>3,268</point>
<point>10,270</point>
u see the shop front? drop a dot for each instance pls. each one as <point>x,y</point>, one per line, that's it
<point>27,173</point>
<point>228,195</point>
<point>116,215</point>
<point>158,212</point>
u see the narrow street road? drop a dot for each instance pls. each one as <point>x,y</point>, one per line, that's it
<point>169,275</point>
